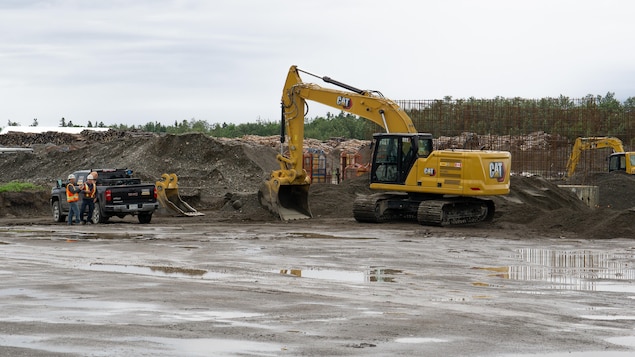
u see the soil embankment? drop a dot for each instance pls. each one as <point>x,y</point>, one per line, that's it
<point>222,176</point>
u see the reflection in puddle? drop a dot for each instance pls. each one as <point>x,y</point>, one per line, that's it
<point>371,275</point>
<point>572,269</point>
<point>164,271</point>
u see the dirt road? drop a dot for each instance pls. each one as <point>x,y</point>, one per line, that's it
<point>312,288</point>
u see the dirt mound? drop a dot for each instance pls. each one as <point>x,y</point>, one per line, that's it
<point>28,203</point>
<point>326,200</point>
<point>616,188</point>
<point>222,177</point>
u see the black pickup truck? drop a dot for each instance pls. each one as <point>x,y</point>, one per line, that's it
<point>118,194</point>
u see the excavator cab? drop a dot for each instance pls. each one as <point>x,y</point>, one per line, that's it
<point>617,162</point>
<point>622,161</point>
<point>395,154</point>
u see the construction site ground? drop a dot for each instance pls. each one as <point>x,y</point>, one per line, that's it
<point>548,276</point>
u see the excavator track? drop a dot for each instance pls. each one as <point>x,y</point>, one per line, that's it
<point>383,207</point>
<point>454,211</point>
<point>366,209</point>
<point>430,211</point>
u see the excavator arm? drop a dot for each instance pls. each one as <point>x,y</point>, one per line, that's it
<point>286,192</point>
<point>367,104</point>
<point>591,143</point>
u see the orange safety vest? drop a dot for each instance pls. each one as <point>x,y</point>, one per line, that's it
<point>88,191</point>
<point>71,197</point>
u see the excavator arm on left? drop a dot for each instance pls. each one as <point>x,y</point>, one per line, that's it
<point>286,192</point>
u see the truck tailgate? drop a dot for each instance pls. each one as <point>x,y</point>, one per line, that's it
<point>131,194</point>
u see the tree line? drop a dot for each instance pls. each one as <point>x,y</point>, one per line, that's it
<point>593,115</point>
<point>322,128</point>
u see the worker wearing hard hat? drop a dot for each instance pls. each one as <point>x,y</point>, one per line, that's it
<point>72,197</point>
<point>89,190</point>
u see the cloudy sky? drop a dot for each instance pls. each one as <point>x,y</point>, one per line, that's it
<point>140,61</point>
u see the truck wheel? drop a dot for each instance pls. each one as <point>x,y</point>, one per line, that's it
<point>145,218</point>
<point>98,216</point>
<point>57,212</point>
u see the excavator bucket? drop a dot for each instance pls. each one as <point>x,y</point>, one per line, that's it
<point>287,201</point>
<point>169,198</point>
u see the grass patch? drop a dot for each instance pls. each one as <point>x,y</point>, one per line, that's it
<point>16,186</point>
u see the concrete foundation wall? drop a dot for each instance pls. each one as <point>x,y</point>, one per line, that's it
<point>589,194</point>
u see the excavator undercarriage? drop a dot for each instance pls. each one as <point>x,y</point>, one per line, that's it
<point>430,210</point>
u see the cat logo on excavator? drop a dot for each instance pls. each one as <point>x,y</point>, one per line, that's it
<point>496,170</point>
<point>344,102</point>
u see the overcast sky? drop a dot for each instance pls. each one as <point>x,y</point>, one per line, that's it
<point>139,61</point>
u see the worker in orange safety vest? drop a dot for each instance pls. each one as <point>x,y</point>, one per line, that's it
<point>72,196</point>
<point>89,190</point>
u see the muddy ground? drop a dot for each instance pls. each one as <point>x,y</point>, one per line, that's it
<point>325,287</point>
<point>548,276</point>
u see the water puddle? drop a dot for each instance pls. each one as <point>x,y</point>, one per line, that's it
<point>579,270</point>
<point>115,235</point>
<point>608,317</point>
<point>162,271</point>
<point>212,346</point>
<point>143,346</point>
<point>419,340</point>
<point>623,341</point>
<point>602,353</point>
<point>382,275</point>
<point>314,235</point>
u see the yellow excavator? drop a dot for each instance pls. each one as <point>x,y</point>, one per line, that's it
<point>415,182</point>
<point>619,160</point>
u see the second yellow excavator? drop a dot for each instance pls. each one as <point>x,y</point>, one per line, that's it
<point>619,160</point>
<point>433,187</point>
